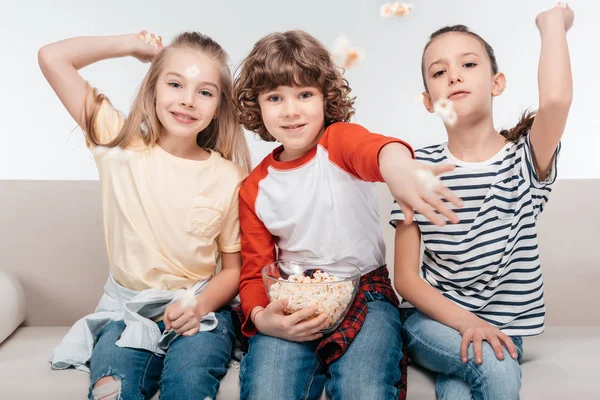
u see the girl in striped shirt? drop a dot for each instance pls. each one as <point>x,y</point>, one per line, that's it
<point>479,287</point>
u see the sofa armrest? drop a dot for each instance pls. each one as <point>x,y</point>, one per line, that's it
<point>12,304</point>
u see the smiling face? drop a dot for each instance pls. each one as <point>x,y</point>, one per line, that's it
<point>187,93</point>
<point>457,67</point>
<point>294,116</point>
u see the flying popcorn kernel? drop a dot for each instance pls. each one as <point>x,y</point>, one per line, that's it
<point>444,108</point>
<point>187,299</point>
<point>397,9</point>
<point>152,41</point>
<point>116,153</point>
<point>427,179</point>
<point>419,98</point>
<point>344,55</point>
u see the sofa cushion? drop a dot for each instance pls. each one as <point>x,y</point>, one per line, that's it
<point>559,364</point>
<point>12,304</point>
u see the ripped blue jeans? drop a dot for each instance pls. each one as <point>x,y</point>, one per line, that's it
<point>191,369</point>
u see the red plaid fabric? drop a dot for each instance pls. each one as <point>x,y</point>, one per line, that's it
<point>335,345</point>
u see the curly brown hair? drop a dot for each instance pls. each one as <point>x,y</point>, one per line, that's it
<point>292,58</point>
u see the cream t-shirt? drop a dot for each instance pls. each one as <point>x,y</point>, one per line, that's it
<point>166,219</point>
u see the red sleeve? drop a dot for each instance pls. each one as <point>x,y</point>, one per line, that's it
<point>356,150</point>
<point>258,250</point>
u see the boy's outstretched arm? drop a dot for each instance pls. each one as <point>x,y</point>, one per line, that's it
<point>415,186</point>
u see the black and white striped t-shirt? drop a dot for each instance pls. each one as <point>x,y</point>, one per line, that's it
<point>489,263</point>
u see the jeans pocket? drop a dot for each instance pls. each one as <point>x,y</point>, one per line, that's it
<point>374,296</point>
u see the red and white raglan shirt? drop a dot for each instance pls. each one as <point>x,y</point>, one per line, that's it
<point>321,206</point>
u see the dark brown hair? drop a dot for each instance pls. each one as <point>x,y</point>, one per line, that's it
<point>526,121</point>
<point>292,58</point>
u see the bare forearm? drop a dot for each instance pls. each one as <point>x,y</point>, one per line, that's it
<point>391,158</point>
<point>221,289</point>
<point>554,73</point>
<point>432,303</point>
<point>85,50</point>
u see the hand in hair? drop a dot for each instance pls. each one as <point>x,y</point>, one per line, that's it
<point>145,45</point>
<point>560,11</point>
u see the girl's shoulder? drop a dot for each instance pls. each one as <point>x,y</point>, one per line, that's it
<point>227,169</point>
<point>433,154</point>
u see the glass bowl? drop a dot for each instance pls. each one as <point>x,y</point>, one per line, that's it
<point>331,288</point>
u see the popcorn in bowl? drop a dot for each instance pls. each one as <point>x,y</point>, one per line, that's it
<point>330,292</point>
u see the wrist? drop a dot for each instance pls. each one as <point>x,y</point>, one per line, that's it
<point>201,307</point>
<point>391,156</point>
<point>467,321</point>
<point>550,21</point>
<point>127,44</point>
<point>254,312</point>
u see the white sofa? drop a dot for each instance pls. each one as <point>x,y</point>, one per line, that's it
<point>53,267</point>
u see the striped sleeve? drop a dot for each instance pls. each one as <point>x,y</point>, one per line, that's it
<point>529,165</point>
<point>396,215</point>
<point>540,190</point>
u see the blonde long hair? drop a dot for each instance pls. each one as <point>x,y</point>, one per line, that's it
<point>224,134</point>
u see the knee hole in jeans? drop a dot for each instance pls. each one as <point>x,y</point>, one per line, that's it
<point>107,388</point>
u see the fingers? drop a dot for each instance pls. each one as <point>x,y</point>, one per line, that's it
<point>497,346</point>
<point>191,332</point>
<point>152,39</point>
<point>438,204</point>
<point>442,168</point>
<point>510,346</point>
<point>303,314</point>
<point>408,212</point>
<point>174,312</point>
<point>464,348</point>
<point>188,326</point>
<point>277,306</point>
<point>477,348</point>
<point>311,326</point>
<point>179,321</point>
<point>449,195</point>
<point>427,211</point>
<point>167,322</point>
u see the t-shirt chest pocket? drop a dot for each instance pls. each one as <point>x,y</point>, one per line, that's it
<point>506,195</point>
<point>204,218</point>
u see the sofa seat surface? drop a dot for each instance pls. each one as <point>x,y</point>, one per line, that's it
<point>559,364</point>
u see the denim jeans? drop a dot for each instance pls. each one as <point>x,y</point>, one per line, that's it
<point>278,369</point>
<point>191,369</point>
<point>436,347</point>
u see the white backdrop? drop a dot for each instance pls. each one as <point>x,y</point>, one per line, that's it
<point>39,139</point>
